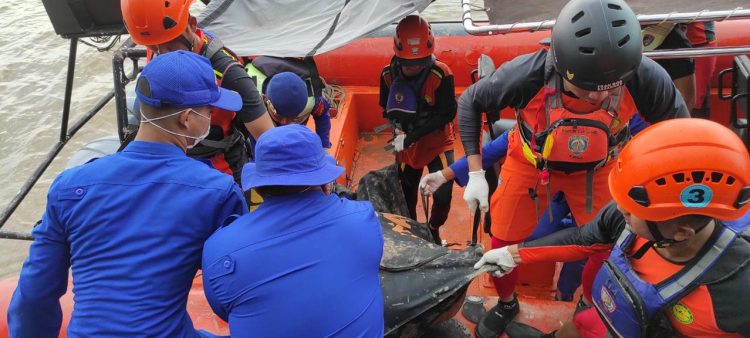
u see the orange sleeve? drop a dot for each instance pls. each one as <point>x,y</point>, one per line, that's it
<point>562,253</point>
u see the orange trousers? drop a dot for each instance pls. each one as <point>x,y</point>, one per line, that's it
<point>515,214</point>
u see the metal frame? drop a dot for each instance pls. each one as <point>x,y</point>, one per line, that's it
<point>648,19</point>
<point>127,51</point>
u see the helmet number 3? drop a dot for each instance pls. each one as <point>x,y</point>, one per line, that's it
<point>696,196</point>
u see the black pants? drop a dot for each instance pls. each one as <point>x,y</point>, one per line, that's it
<point>441,199</point>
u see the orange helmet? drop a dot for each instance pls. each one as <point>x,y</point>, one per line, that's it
<point>683,167</point>
<point>152,22</point>
<point>413,42</point>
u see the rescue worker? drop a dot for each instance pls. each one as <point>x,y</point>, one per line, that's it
<point>264,68</point>
<point>676,267</point>
<point>557,219</point>
<point>280,271</point>
<point>702,34</point>
<point>682,70</point>
<point>132,225</point>
<point>573,105</point>
<point>164,26</point>
<point>418,97</point>
<point>286,100</point>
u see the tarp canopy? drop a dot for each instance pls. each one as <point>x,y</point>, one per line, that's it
<point>299,28</point>
<point>508,11</point>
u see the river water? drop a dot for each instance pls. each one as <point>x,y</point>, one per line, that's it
<point>33,65</point>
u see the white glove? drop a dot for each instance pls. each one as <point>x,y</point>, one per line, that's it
<point>428,184</point>
<point>500,257</point>
<point>398,142</point>
<point>476,191</point>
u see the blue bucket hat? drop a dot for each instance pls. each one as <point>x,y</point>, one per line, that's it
<point>289,155</point>
<point>288,94</point>
<point>183,79</point>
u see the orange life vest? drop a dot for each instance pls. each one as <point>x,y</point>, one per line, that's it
<point>554,137</point>
<point>557,138</point>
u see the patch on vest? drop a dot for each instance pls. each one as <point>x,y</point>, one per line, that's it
<point>609,304</point>
<point>398,97</point>
<point>682,314</point>
<point>578,144</point>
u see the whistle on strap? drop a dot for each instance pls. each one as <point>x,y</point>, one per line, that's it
<point>544,177</point>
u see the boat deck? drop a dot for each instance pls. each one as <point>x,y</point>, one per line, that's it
<point>361,150</point>
<point>536,292</point>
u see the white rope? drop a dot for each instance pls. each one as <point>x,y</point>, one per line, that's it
<point>334,94</point>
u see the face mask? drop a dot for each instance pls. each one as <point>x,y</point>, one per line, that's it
<point>196,139</point>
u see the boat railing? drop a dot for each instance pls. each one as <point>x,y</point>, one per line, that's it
<point>472,27</point>
<point>128,51</point>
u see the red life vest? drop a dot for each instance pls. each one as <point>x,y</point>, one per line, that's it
<point>220,118</point>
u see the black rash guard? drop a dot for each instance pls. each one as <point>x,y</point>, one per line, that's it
<point>517,81</point>
<point>236,79</point>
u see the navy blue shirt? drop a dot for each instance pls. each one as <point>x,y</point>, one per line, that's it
<point>131,226</point>
<point>303,265</point>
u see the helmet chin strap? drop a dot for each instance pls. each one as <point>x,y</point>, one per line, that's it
<point>660,240</point>
<point>190,45</point>
<point>185,41</point>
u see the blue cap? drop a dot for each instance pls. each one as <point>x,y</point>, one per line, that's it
<point>289,155</point>
<point>183,79</point>
<point>288,94</point>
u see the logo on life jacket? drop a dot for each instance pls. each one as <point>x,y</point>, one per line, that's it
<point>609,304</point>
<point>682,314</point>
<point>398,97</point>
<point>569,75</point>
<point>414,50</point>
<point>578,144</point>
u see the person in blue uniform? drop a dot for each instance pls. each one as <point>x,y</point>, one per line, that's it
<point>305,262</point>
<point>287,101</point>
<point>131,226</point>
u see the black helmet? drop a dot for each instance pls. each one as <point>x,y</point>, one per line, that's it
<point>596,44</point>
